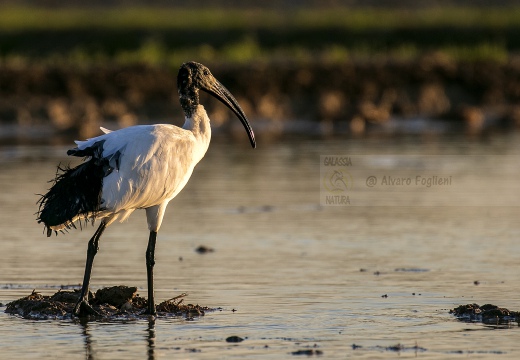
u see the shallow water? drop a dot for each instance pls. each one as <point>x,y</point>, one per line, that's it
<point>288,273</point>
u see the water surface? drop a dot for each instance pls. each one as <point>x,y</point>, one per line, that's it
<point>288,273</point>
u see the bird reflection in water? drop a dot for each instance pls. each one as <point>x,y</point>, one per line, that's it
<point>151,338</point>
<point>89,344</point>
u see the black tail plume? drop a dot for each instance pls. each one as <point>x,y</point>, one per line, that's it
<point>76,192</point>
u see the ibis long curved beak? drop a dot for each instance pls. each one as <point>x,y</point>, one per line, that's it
<point>220,92</point>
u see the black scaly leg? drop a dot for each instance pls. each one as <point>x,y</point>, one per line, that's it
<point>82,306</point>
<point>150,262</point>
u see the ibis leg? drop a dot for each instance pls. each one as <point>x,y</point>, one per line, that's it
<point>150,262</point>
<point>82,306</point>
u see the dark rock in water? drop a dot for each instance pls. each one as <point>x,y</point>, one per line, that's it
<point>204,249</point>
<point>487,313</point>
<point>234,339</point>
<point>308,352</point>
<point>113,302</point>
<point>116,295</point>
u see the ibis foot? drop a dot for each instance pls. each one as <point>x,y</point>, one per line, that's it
<point>84,309</point>
<point>150,312</point>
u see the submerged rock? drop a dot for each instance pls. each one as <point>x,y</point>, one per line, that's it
<point>112,302</point>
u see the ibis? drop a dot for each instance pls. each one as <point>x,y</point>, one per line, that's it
<point>138,167</point>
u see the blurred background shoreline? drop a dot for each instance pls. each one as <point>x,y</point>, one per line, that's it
<point>345,68</point>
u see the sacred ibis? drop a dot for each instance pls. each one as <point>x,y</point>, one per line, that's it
<point>139,167</point>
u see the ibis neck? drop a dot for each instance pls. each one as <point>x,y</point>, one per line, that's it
<point>189,99</point>
<point>198,123</point>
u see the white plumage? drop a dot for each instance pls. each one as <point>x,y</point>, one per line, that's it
<point>155,163</point>
<point>139,167</point>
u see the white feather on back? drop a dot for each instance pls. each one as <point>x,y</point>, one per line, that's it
<point>155,163</point>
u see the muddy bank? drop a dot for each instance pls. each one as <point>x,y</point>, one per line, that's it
<point>353,97</point>
<point>112,302</point>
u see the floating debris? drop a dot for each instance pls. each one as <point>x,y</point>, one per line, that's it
<point>413,270</point>
<point>487,313</point>
<point>112,302</point>
<point>399,348</point>
<point>402,348</point>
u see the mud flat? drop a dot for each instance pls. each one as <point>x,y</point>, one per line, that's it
<point>117,302</point>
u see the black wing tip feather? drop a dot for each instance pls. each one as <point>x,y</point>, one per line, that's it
<point>96,150</point>
<point>67,226</point>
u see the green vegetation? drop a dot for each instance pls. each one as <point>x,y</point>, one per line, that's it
<point>168,36</point>
<point>23,18</point>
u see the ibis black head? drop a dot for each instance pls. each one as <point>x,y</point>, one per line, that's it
<point>194,77</point>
